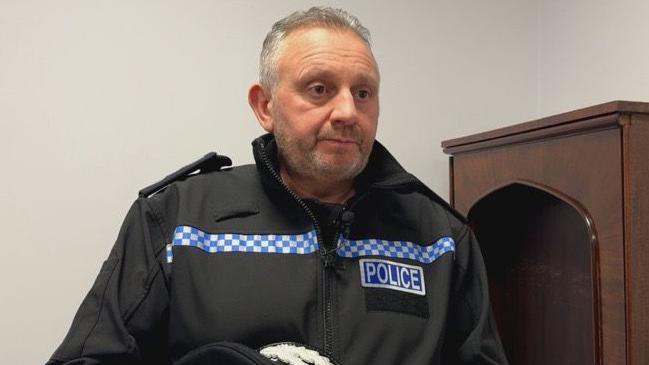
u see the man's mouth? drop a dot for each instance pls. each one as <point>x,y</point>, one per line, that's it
<point>341,140</point>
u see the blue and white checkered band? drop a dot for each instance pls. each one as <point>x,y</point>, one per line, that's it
<point>396,249</point>
<point>298,244</point>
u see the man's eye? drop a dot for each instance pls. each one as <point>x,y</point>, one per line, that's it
<point>318,90</point>
<point>362,94</point>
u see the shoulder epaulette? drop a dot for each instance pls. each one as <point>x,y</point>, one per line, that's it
<point>208,163</point>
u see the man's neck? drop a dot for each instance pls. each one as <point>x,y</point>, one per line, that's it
<point>324,190</point>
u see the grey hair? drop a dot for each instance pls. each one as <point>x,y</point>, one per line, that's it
<point>325,17</point>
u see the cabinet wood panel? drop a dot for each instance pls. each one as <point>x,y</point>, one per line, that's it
<point>592,162</point>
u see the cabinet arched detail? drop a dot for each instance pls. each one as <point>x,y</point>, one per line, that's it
<point>541,261</point>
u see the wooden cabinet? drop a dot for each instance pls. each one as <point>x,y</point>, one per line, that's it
<point>560,206</point>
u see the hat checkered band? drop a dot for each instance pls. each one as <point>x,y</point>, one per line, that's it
<point>297,244</point>
<point>396,249</point>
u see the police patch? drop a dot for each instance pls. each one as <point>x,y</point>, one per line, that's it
<point>392,275</point>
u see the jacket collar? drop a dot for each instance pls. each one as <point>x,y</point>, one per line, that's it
<point>382,170</point>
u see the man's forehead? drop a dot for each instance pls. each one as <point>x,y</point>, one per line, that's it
<point>315,35</point>
<point>312,40</point>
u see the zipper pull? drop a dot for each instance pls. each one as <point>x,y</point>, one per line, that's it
<point>329,260</point>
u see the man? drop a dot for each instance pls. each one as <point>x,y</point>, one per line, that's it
<point>326,242</point>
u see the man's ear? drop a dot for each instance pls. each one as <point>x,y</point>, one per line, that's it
<point>261,104</point>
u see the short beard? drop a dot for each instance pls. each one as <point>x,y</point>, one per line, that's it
<point>309,164</point>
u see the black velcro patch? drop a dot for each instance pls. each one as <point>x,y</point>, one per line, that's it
<point>379,299</point>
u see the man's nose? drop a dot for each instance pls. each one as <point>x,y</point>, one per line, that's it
<point>344,109</point>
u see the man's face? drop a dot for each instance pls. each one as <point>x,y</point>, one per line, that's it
<point>325,105</point>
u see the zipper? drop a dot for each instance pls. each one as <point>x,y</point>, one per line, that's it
<point>327,257</point>
<point>346,218</point>
<point>276,176</point>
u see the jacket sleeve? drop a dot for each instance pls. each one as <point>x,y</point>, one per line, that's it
<point>122,319</point>
<point>472,336</point>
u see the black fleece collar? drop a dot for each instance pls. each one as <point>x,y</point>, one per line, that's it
<point>382,170</point>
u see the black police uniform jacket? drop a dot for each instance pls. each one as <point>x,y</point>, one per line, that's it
<point>234,255</point>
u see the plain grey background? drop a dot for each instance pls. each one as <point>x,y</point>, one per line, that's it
<point>101,98</point>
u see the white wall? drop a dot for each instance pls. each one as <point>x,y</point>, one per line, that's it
<point>98,99</point>
<point>451,68</point>
<point>592,51</point>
